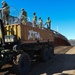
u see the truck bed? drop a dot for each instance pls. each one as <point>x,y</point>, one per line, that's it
<point>29,34</point>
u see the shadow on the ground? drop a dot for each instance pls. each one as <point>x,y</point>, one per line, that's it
<point>59,63</point>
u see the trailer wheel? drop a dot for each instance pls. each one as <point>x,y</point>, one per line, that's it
<point>44,54</point>
<point>51,51</point>
<point>22,64</point>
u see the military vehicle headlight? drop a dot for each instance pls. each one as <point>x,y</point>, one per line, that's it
<point>11,39</point>
<point>6,40</point>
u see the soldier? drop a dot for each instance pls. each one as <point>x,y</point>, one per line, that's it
<point>23,16</point>
<point>48,22</point>
<point>5,12</point>
<point>34,19</point>
<point>40,22</point>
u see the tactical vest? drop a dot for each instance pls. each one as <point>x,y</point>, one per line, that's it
<point>35,18</point>
<point>24,13</point>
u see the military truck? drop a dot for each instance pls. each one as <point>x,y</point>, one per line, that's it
<point>19,44</point>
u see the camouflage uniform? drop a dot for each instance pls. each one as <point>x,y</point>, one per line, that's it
<point>34,19</point>
<point>48,22</point>
<point>40,22</point>
<point>23,16</point>
<point>5,11</point>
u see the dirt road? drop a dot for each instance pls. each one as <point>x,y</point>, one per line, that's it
<point>60,64</point>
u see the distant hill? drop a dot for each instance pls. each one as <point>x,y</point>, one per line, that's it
<point>72,41</point>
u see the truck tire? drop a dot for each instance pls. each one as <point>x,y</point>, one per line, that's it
<point>51,51</point>
<point>44,54</point>
<point>22,64</point>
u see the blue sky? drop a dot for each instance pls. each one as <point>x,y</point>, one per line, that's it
<point>61,12</point>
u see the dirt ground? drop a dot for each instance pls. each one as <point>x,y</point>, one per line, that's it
<point>63,63</point>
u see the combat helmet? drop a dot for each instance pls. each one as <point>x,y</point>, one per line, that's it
<point>3,2</point>
<point>22,9</point>
<point>34,13</point>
